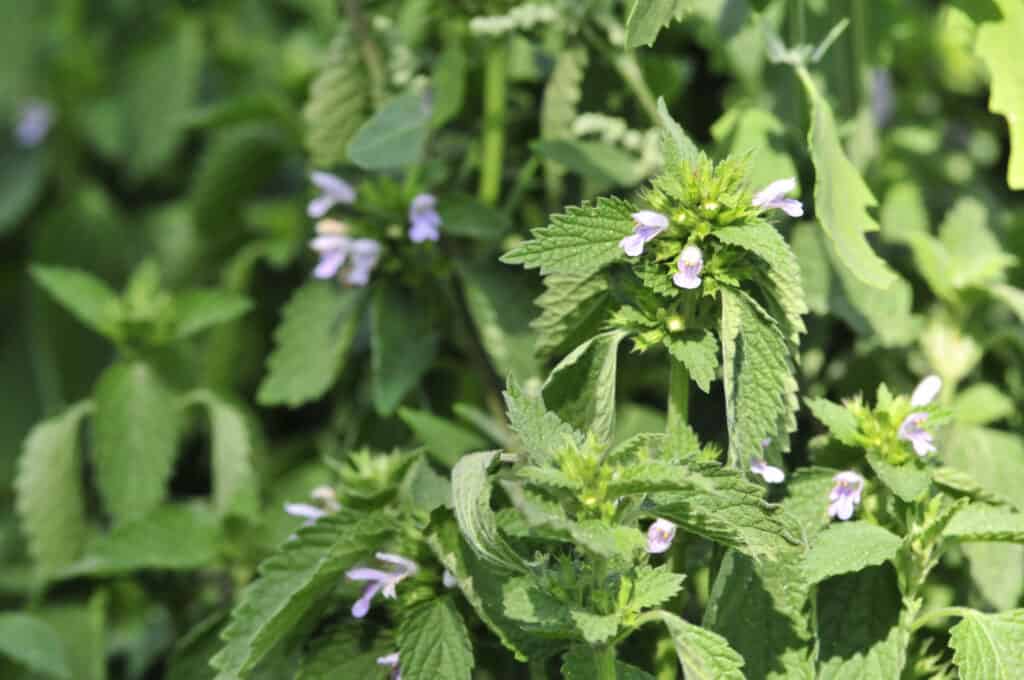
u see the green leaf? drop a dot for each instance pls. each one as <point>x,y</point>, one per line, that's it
<point>976,256</point>
<point>22,179</point>
<point>33,644</point>
<point>989,646</point>
<point>594,160</point>
<point>404,346</point>
<point>200,309</point>
<point>760,390</point>
<point>580,241</point>
<point>646,18</point>
<point>136,429</point>
<point>395,136</point>
<point>471,493</point>
<point>310,343</point>
<point>704,655</point>
<point>543,434</point>
<point>698,351</point>
<point>83,630</point>
<point>999,46</point>
<point>572,306</point>
<point>423,489</point>
<point>1010,296</point>
<point>463,215</point>
<point>344,652</point>
<point>849,546</point>
<point>176,537</point>
<point>86,296</point>
<point>981,404</point>
<point>50,497</point>
<point>750,130</point>
<point>595,628</point>
<point>841,423</point>
<point>960,482</point>
<point>654,586</point>
<point>558,109</point>
<point>579,664</point>
<point>908,480</point>
<point>581,388</point>
<point>448,82</point>
<point>859,626</point>
<point>807,491</point>
<point>993,458</point>
<point>986,523</point>
<point>337,103</point>
<point>445,440</point>
<point>996,571</point>
<point>676,147</point>
<point>841,198</point>
<point>433,642</point>
<point>235,483</point>
<point>291,583</point>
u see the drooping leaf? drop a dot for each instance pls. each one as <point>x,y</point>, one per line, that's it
<point>395,136</point>
<point>310,343</point>
<point>85,295</point>
<point>471,493</point>
<point>136,428</point>
<point>849,546</point>
<point>337,103</point>
<point>581,388</point>
<point>433,642</point>
<point>704,655</point>
<point>989,646</point>
<point>404,346</point>
<point>33,644</point>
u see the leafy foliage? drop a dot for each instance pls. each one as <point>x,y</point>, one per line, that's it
<point>433,641</point>
<point>989,645</point>
<point>336,105</point>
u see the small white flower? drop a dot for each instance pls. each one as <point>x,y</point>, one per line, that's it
<point>660,535</point>
<point>912,430</point>
<point>845,495</point>
<point>690,265</point>
<point>768,473</point>
<point>334,191</point>
<point>449,580</point>
<point>926,391</point>
<point>774,196</point>
<point>646,225</point>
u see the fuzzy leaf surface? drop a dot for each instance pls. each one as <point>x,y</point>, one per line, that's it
<point>433,642</point>
<point>849,546</point>
<point>581,388</point>
<point>989,646</point>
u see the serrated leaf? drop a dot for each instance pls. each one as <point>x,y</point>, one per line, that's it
<point>697,350</point>
<point>310,343</point>
<point>676,146</point>
<point>199,309</point>
<point>619,544</point>
<point>471,493</point>
<point>849,546</point>
<point>908,481</point>
<point>423,489</point>
<point>841,198</point>
<point>559,108</point>
<point>806,501</point>
<point>404,346</point>
<point>136,427</point>
<point>395,136</point>
<point>445,440</point>
<point>290,583</point>
<point>50,497</point>
<point>581,388</point>
<point>87,297</point>
<point>989,646</point>
<point>344,651</point>
<point>986,523</point>
<point>525,601</point>
<point>235,483</point>
<point>704,655</point>
<point>580,241</point>
<point>595,628</point>
<point>337,103</point>
<point>646,18</point>
<point>571,306</point>
<point>543,434</point>
<point>654,586</point>
<point>33,644</point>
<point>841,423</point>
<point>171,538</point>
<point>433,642</point>
<point>760,389</point>
<point>999,46</point>
<point>960,482</point>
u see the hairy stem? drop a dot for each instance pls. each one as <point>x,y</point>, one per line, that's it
<point>372,57</point>
<point>495,83</point>
<point>678,398</point>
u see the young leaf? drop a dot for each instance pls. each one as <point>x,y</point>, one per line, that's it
<point>698,351</point>
<point>136,429</point>
<point>86,296</point>
<point>290,583</point>
<point>580,241</point>
<point>33,644</point>
<point>445,440</point>
<point>704,655</point>
<point>646,18</point>
<point>572,306</point>
<point>337,103</point>
<point>404,347</point>
<point>849,546</point>
<point>199,309</point>
<point>595,628</point>
<point>235,484</point>
<point>989,646</point>
<point>395,136</point>
<point>1000,47</point>
<point>471,492</point>
<point>433,642</point>
<point>908,481</point>
<point>317,327</point>
<point>676,146</point>
<point>581,388</point>
<point>840,422</point>
<point>985,523</point>
<point>654,587</point>
<point>50,497</point>
<point>543,434</point>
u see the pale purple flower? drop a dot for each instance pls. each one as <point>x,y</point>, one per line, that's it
<point>768,473</point>
<point>691,262</point>
<point>309,513</point>
<point>448,579</point>
<point>646,225</point>
<point>660,535</point>
<point>392,661</point>
<point>35,119</point>
<point>380,581</point>
<point>365,254</point>
<point>424,221</point>
<point>912,430</point>
<point>774,196</point>
<point>334,190</point>
<point>845,495</point>
<point>926,391</point>
<point>336,249</point>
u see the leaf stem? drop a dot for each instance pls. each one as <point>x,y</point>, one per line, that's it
<point>678,398</point>
<point>604,662</point>
<point>940,613</point>
<point>371,53</point>
<point>495,84</point>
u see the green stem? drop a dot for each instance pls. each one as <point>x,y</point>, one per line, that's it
<point>372,58</point>
<point>495,83</point>
<point>940,613</point>
<point>678,398</point>
<point>604,662</point>
<point>629,70</point>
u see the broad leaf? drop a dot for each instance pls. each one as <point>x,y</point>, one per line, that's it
<point>235,483</point>
<point>471,493</point>
<point>704,655</point>
<point>199,309</point>
<point>572,306</point>
<point>594,160</point>
<point>646,18</point>
<point>697,350</point>
<point>445,440</point>
<point>86,296</point>
<point>846,547</point>
<point>979,522</point>
<point>579,664</point>
<point>33,644</point>
<point>404,346</point>
<point>581,388</point>
<point>1000,47</point>
<point>344,652</point>
<point>840,422</point>
<point>653,587</point>
<point>989,646</point>
<point>395,136</point>
<point>433,642</point>
<point>908,480</point>
<point>337,103</point>
<point>543,434</point>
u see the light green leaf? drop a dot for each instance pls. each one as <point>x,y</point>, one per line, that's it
<point>448,82</point>
<point>979,522</point>
<point>445,440</point>
<point>543,434</point>
<point>993,458</point>
<point>85,295</point>
<point>580,241</point>
<point>1010,296</point>
<point>760,390</point>
<point>404,346</point>
<point>291,583</point>
<point>594,160</point>
<point>841,198</point>
<point>343,652</point>
<point>676,146</point>
<point>646,18</point>
<point>976,256</point>
<point>316,330</point>
<point>654,586</point>
<point>595,628</point>
<point>136,428</point>
<point>698,351</point>
<point>840,422</point>
<point>199,309</point>
<point>471,493</point>
<point>395,136</point>
<point>433,642</point>
<point>755,131</point>
<point>33,644</point>
<point>558,110</point>
<point>1000,47</point>
<point>981,404</point>
<point>848,546</point>
<point>50,497</point>
<point>423,489</point>
<point>908,480</point>
<point>704,655</point>
<point>176,537</point>
<point>235,483</point>
<point>83,630</point>
<point>989,646</point>
<point>962,483</point>
<point>997,572</point>
<point>337,103</point>
<point>581,388</point>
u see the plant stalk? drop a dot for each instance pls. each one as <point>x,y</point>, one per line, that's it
<point>604,662</point>
<point>495,85</point>
<point>678,398</point>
